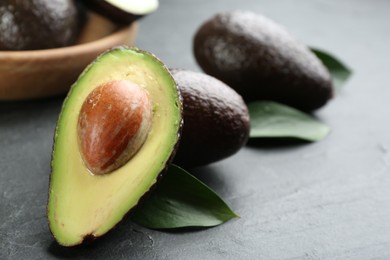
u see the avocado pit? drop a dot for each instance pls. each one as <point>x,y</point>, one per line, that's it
<point>114,122</point>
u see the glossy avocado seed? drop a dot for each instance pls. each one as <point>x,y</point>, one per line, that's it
<point>216,120</point>
<point>38,24</point>
<point>261,60</point>
<point>114,122</point>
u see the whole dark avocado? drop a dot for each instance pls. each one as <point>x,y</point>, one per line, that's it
<point>261,60</point>
<point>38,24</point>
<point>216,120</point>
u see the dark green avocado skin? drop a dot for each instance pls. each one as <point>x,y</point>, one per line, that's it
<point>38,24</point>
<point>216,120</point>
<point>261,60</point>
<point>111,12</point>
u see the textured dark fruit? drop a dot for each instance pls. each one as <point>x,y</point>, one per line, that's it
<point>261,60</point>
<point>114,122</point>
<point>38,24</point>
<point>123,11</point>
<point>216,120</point>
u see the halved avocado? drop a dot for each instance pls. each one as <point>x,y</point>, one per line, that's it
<point>83,205</point>
<point>123,11</point>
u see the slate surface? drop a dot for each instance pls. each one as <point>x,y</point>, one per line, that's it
<point>327,200</point>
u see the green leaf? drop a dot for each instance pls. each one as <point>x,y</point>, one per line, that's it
<point>181,200</point>
<point>273,120</point>
<point>339,72</point>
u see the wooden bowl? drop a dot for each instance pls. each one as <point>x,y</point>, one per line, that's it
<point>45,73</point>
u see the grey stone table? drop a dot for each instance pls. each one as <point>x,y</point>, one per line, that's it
<point>326,200</point>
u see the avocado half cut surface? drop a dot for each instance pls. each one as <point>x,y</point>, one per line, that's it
<point>84,203</point>
<point>123,11</point>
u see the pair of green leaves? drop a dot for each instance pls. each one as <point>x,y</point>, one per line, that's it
<point>181,200</point>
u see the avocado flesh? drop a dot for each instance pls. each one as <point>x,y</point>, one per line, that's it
<point>135,6</point>
<point>82,205</point>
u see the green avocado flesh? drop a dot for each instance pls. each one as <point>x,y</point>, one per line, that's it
<point>136,7</point>
<point>82,205</point>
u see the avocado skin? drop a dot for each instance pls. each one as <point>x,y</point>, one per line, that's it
<point>38,24</point>
<point>112,12</point>
<point>261,60</point>
<point>216,120</point>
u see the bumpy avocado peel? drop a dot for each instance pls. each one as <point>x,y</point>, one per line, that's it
<point>39,24</point>
<point>216,119</point>
<point>261,60</point>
